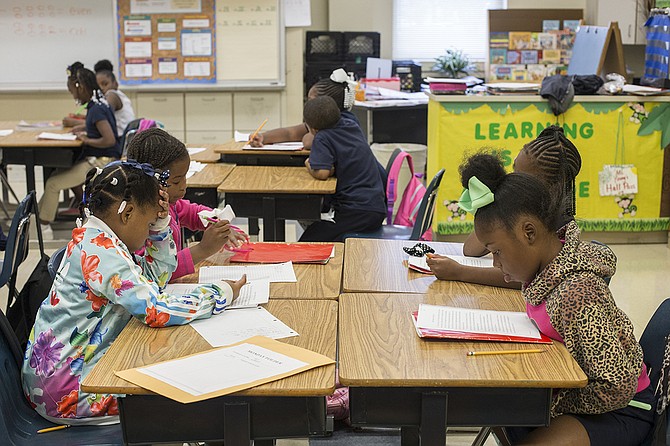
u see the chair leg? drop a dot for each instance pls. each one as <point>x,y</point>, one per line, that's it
<point>481,437</point>
<point>501,436</point>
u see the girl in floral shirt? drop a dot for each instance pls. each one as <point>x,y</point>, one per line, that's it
<point>101,284</point>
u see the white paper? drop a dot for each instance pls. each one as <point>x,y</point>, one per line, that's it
<point>378,68</point>
<point>241,137</point>
<point>476,321</point>
<point>196,44</point>
<point>167,66</point>
<point>478,262</point>
<point>137,27</point>
<point>195,23</point>
<point>195,150</point>
<point>57,136</point>
<point>138,49</point>
<point>164,6</point>
<point>220,369</point>
<point>284,146</point>
<point>393,94</point>
<point>236,325</point>
<point>167,43</point>
<point>252,294</point>
<point>167,27</point>
<point>276,272</point>
<point>193,168</point>
<point>138,70</point>
<point>6,132</point>
<point>297,13</point>
<point>196,69</point>
<point>227,213</point>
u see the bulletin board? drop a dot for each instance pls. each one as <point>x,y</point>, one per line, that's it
<point>162,41</point>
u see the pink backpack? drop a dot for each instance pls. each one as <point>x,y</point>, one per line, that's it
<point>411,199</point>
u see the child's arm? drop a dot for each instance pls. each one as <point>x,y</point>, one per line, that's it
<point>108,138</point>
<point>114,100</point>
<point>473,247</point>
<point>282,134</point>
<point>73,120</point>
<point>319,174</point>
<point>445,268</point>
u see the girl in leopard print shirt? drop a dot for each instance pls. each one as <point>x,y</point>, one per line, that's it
<point>563,283</point>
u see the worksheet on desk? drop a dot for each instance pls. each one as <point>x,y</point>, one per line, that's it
<point>251,295</point>
<point>275,272</point>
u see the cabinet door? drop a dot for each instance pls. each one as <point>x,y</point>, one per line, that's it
<point>622,11</point>
<point>251,109</point>
<point>208,137</point>
<point>167,108</point>
<point>209,111</point>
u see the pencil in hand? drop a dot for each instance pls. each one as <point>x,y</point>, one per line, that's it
<point>260,127</point>
<point>504,352</point>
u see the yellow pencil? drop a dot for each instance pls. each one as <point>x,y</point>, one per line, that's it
<point>504,352</point>
<point>253,135</point>
<point>51,429</point>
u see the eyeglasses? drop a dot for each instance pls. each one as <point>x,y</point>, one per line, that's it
<point>418,250</point>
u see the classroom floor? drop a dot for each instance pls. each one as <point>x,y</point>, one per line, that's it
<point>639,286</point>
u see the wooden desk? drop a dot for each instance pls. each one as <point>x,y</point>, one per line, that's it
<point>202,185</point>
<point>275,194</point>
<point>290,407</point>
<point>232,152</point>
<point>23,148</point>
<point>372,265</point>
<point>398,379</point>
<point>314,281</point>
<point>207,156</point>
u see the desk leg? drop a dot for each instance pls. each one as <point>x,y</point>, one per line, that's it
<point>253,226</point>
<point>434,418</point>
<point>269,220</point>
<point>409,436</point>
<point>29,156</point>
<point>236,424</point>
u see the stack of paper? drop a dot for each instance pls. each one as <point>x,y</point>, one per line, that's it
<point>281,146</point>
<point>435,321</point>
<point>57,136</point>
<point>194,150</point>
<point>502,88</point>
<point>277,272</point>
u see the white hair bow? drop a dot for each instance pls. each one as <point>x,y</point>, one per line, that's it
<point>341,76</point>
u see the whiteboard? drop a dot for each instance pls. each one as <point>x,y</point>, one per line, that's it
<point>39,39</point>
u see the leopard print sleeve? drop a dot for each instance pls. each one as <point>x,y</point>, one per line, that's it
<point>600,338</point>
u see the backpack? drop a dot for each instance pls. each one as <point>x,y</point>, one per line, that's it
<point>411,198</point>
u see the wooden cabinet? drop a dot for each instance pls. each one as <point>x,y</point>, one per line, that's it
<point>251,109</point>
<point>631,16</point>
<point>209,117</point>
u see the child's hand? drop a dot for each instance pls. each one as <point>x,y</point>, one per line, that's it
<point>237,285</point>
<point>307,165</point>
<point>443,267</point>
<point>81,136</point>
<point>237,239</point>
<point>257,141</point>
<point>214,238</point>
<point>164,204</point>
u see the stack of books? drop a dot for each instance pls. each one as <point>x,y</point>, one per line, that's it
<point>506,88</point>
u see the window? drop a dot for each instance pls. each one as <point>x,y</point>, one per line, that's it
<point>423,29</point>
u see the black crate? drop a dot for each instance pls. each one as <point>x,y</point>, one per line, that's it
<point>409,73</point>
<point>324,46</point>
<point>358,46</point>
<point>358,69</point>
<point>314,71</point>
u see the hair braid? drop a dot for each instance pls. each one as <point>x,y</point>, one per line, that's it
<point>156,147</point>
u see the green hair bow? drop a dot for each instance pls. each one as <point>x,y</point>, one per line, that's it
<point>476,196</point>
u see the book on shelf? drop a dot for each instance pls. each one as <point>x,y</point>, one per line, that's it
<point>519,40</point>
<point>551,56</point>
<point>529,56</point>
<point>547,41</point>
<point>445,322</point>
<point>548,25</point>
<point>498,55</point>
<point>498,40</point>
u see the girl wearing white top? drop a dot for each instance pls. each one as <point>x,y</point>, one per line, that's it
<point>120,103</point>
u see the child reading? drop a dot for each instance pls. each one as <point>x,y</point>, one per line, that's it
<point>340,149</point>
<point>101,284</point>
<point>166,153</point>
<point>337,86</point>
<point>567,297</point>
<point>551,157</point>
<point>120,103</point>
<point>100,146</point>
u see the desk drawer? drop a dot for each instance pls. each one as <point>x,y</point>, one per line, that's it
<point>208,137</point>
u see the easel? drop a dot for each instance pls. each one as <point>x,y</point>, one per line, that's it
<point>598,50</point>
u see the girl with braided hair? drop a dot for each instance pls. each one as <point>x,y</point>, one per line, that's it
<point>552,158</point>
<point>100,145</point>
<point>101,284</point>
<point>76,118</point>
<point>166,153</point>
<point>337,86</point>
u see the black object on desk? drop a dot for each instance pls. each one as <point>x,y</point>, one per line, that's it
<point>401,124</point>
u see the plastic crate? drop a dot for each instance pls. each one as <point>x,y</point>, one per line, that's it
<point>314,71</point>
<point>358,69</point>
<point>358,46</point>
<point>324,46</point>
<point>409,73</point>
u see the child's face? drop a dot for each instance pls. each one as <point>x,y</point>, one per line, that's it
<point>176,184</point>
<point>104,82</point>
<point>512,252</point>
<point>135,231</point>
<point>79,93</point>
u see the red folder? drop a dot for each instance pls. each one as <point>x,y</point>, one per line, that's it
<point>283,252</point>
<point>466,336</point>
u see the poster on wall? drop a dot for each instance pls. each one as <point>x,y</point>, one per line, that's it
<point>167,41</point>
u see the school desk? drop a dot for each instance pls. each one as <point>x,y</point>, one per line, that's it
<point>232,152</point>
<point>275,194</point>
<point>290,407</point>
<point>397,379</point>
<point>315,281</point>
<point>202,185</point>
<point>23,148</point>
<point>373,265</point>
<point>206,156</point>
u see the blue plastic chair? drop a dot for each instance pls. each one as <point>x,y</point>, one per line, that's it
<point>55,261</point>
<point>19,422</point>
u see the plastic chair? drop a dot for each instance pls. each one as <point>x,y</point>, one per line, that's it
<point>19,422</point>
<point>133,127</point>
<point>17,244</point>
<point>422,224</point>
<point>55,261</point>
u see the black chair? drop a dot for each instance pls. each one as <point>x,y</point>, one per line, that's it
<point>423,222</point>
<point>17,244</point>
<point>54,261</point>
<point>19,422</point>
